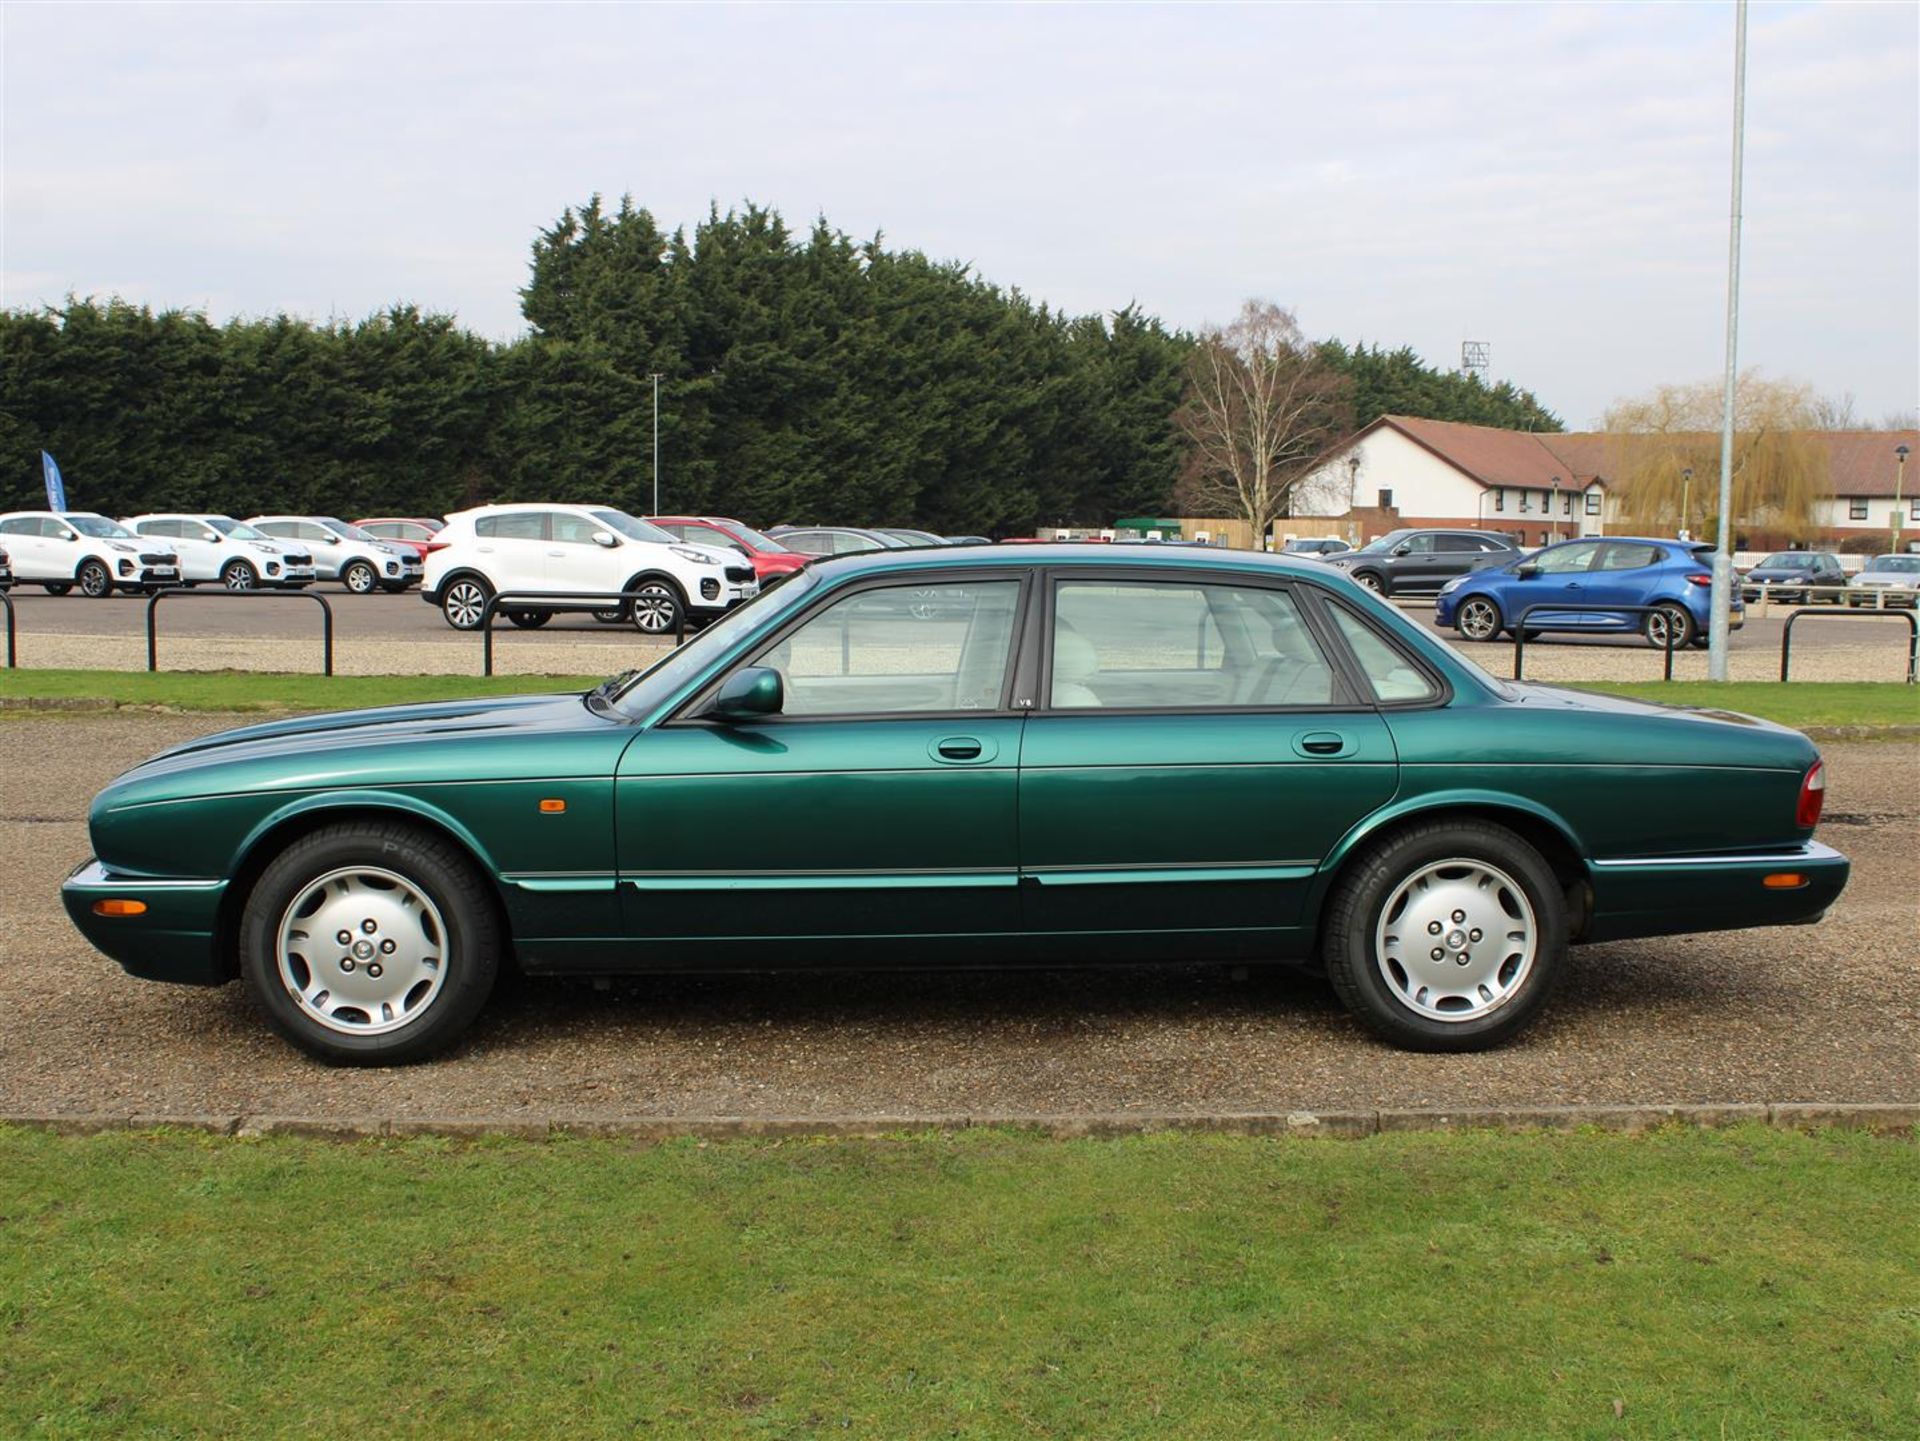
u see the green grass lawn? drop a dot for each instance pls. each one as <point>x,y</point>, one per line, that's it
<point>253,691</point>
<point>1743,1284</point>
<point>1865,703</point>
<point>1798,703</point>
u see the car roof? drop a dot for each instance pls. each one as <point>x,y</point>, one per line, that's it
<point>516,507</point>
<point>1066,554</point>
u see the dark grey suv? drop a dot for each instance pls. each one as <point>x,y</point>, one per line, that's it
<point>1419,562</point>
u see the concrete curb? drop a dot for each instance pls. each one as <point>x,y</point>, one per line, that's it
<point>1882,1118</point>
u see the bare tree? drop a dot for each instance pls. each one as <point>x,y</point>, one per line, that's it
<point>1664,454</point>
<point>1260,408</point>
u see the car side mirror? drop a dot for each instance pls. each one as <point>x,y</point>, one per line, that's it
<point>71,535</point>
<point>1403,549</point>
<point>212,536</point>
<point>333,540</point>
<point>606,538</point>
<point>1527,571</point>
<point>748,694</point>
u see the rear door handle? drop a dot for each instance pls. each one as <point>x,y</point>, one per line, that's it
<point>1323,743</point>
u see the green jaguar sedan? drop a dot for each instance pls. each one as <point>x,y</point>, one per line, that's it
<point>975,756</point>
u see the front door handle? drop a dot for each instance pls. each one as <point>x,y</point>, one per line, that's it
<point>962,750</point>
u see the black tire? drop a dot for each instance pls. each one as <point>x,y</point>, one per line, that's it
<point>1478,618</point>
<point>617,616</point>
<point>1373,581</point>
<point>469,950</point>
<point>1354,913</point>
<point>657,607</point>
<point>396,587</point>
<point>529,619</point>
<point>359,577</point>
<point>57,587</point>
<point>238,574</point>
<point>1533,635</point>
<point>94,579</point>
<point>463,601</point>
<point>1662,616</point>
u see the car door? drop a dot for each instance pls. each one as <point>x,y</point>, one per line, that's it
<point>879,804</point>
<point>1413,564</point>
<point>1556,581</point>
<point>26,548</point>
<point>575,562</point>
<point>1194,753</point>
<point>1623,574</point>
<point>513,551</point>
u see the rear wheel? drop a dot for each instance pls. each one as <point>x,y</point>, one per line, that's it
<point>238,575</point>
<point>1668,620</point>
<point>370,943</point>
<point>359,578</point>
<point>616,616</point>
<point>1478,619</point>
<point>1448,936</point>
<point>58,587</point>
<point>656,607</point>
<point>464,603</point>
<point>94,579</point>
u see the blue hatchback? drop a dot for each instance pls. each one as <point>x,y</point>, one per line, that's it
<point>1579,582</point>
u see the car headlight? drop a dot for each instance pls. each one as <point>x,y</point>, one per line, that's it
<point>263,549</point>
<point>698,557</point>
<point>1454,584</point>
<point>122,547</point>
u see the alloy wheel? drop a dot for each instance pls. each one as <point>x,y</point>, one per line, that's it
<point>464,605</point>
<point>1479,620</point>
<point>238,575</point>
<point>361,950</point>
<point>1456,940</point>
<point>95,580</point>
<point>655,609</point>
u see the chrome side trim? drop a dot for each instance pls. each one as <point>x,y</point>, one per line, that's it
<point>1812,852</point>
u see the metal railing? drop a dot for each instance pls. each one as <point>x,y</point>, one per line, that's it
<point>1913,632</point>
<point>550,601</point>
<point>7,601</point>
<point>1561,608</point>
<point>326,616</point>
<point>1874,597</point>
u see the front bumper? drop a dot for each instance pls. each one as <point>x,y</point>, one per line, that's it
<point>731,593</point>
<point>1677,895</point>
<point>174,940</point>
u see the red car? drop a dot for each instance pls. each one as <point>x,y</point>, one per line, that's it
<point>415,532</point>
<point>771,560</point>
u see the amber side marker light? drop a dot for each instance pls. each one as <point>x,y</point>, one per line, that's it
<point>553,808</point>
<point>1784,881</point>
<point>119,908</point>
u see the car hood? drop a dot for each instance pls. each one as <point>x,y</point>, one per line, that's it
<point>1780,572</point>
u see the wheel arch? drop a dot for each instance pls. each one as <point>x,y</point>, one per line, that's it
<point>1535,824</point>
<point>275,832</point>
<point>635,581</point>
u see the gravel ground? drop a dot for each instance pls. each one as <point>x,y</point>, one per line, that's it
<point>1806,1014</point>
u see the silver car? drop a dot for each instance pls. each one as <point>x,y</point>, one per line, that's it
<point>1883,579</point>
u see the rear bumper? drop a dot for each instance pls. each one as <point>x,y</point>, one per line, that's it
<point>1675,895</point>
<point>174,940</point>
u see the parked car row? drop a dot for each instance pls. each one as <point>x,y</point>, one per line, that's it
<point>66,550</point>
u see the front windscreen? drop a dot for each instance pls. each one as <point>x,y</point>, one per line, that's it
<point>238,529</point>
<point>655,685</point>
<point>751,536</point>
<point>1386,542</point>
<point>1897,564</point>
<point>340,527</point>
<point>99,527</point>
<point>632,527</point>
<point>1783,560</point>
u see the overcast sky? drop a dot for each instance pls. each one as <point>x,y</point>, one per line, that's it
<point>1552,179</point>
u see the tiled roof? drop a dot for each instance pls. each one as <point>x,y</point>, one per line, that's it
<point>1860,462</point>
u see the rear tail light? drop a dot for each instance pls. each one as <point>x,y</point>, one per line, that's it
<point>433,545</point>
<point>1813,795</point>
<point>1700,579</point>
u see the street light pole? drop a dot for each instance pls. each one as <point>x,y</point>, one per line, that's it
<point>1553,507</point>
<point>654,376</point>
<point>1722,597</point>
<point>1899,484</point>
<point>1686,491</point>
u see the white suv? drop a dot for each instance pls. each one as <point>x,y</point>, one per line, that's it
<point>60,550</point>
<point>581,550</point>
<point>344,552</point>
<point>219,549</point>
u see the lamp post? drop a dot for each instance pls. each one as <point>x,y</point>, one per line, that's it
<point>1686,492</point>
<point>654,376</point>
<point>1899,480</point>
<point>1553,507</point>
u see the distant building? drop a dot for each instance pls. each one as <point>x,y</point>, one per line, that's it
<point>1538,487</point>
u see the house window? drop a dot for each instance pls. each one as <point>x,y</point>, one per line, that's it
<point>1499,500</point>
<point>1593,502</point>
<point>1856,509</point>
<point>1913,509</point>
<point>1523,502</point>
<point>1566,503</point>
<point>1543,537</point>
<point>1386,500</point>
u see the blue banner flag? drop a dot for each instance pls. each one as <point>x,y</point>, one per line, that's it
<point>56,487</point>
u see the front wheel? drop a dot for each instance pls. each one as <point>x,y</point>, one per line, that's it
<point>238,575</point>
<point>464,603</point>
<point>1372,582</point>
<point>58,587</point>
<point>1479,619</point>
<point>656,607</point>
<point>616,616</point>
<point>95,580</point>
<point>1669,621</point>
<point>529,619</point>
<point>1448,936</point>
<point>370,943</point>
<point>359,578</point>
